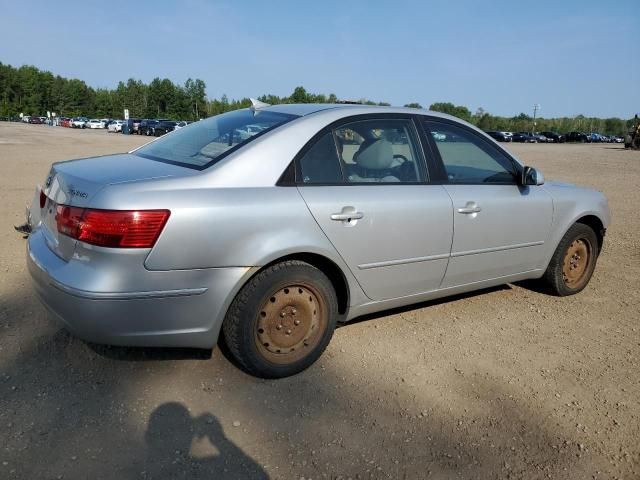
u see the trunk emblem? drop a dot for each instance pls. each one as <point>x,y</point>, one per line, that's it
<point>77,193</point>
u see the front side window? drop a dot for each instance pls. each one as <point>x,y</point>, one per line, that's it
<point>379,151</point>
<point>203,143</point>
<point>467,158</point>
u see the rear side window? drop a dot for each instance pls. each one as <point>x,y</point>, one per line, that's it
<point>379,151</point>
<point>469,159</point>
<point>320,164</point>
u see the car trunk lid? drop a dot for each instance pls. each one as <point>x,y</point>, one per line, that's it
<point>76,183</point>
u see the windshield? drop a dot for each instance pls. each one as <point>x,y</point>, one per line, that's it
<point>201,144</point>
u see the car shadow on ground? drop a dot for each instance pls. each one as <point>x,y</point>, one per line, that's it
<point>70,412</point>
<point>427,304</point>
<point>149,354</point>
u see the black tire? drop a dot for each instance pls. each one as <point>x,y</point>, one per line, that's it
<point>570,270</point>
<point>243,330</point>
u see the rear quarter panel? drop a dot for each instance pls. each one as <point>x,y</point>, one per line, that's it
<point>226,227</point>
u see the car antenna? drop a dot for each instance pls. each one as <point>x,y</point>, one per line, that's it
<point>257,105</point>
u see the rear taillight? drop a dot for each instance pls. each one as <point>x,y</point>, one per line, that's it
<point>112,228</point>
<point>43,199</point>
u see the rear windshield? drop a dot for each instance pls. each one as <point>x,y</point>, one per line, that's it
<point>201,144</point>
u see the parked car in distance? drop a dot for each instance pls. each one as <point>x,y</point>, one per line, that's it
<point>271,240</point>
<point>598,138</point>
<point>540,138</point>
<point>79,122</point>
<point>135,124</point>
<point>553,137</point>
<point>163,127</point>
<point>523,137</point>
<point>35,120</point>
<point>115,126</point>
<point>181,124</point>
<point>146,127</point>
<point>95,123</point>
<point>578,137</point>
<point>500,136</point>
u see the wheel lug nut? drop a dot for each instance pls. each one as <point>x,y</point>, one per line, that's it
<point>279,327</point>
<point>288,332</point>
<point>294,311</point>
<point>296,322</point>
<point>282,314</point>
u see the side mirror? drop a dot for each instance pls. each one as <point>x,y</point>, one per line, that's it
<point>531,176</point>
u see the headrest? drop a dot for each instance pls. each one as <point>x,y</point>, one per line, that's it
<point>376,156</point>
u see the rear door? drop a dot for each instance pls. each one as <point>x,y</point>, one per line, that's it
<point>365,183</point>
<point>500,226</point>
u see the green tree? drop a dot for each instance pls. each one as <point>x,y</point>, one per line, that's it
<point>196,92</point>
<point>299,95</point>
<point>449,108</point>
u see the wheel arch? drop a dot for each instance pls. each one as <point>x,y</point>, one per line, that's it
<point>325,265</point>
<point>594,222</point>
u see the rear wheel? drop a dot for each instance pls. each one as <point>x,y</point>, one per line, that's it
<point>573,262</point>
<point>282,320</point>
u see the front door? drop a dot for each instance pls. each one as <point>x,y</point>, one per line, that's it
<point>500,226</point>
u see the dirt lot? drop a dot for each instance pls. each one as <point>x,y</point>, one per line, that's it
<point>506,383</point>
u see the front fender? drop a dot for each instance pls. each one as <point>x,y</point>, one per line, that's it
<point>570,204</point>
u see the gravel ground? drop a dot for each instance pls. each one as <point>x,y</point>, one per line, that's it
<point>505,383</point>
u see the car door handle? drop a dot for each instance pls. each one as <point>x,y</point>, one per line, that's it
<point>470,207</point>
<point>346,217</point>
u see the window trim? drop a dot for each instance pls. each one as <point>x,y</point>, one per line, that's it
<point>419,147</point>
<point>442,172</point>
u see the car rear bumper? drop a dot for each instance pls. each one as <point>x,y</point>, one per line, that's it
<point>182,308</point>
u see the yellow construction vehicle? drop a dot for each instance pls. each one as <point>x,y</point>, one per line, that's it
<point>632,139</point>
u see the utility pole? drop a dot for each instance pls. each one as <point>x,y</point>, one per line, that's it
<point>536,107</point>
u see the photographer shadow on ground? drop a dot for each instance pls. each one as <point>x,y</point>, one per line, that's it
<point>181,446</point>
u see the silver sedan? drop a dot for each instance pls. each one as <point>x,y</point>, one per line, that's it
<point>268,225</point>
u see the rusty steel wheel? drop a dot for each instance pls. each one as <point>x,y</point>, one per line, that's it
<point>281,320</point>
<point>574,260</point>
<point>290,323</point>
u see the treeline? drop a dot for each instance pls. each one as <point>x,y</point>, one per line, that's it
<point>525,123</point>
<point>31,91</point>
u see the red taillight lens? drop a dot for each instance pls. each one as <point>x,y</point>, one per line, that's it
<point>112,228</point>
<point>68,220</point>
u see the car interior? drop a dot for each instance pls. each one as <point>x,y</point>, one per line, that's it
<point>367,152</point>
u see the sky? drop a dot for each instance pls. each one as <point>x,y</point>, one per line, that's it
<point>570,57</point>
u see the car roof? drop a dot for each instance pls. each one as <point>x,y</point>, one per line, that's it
<point>300,109</point>
<point>304,109</point>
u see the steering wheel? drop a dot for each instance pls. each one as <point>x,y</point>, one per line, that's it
<point>401,157</point>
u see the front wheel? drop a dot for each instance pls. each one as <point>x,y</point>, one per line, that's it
<point>573,262</point>
<point>282,320</point>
